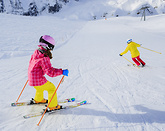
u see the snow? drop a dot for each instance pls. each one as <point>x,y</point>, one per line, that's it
<point>87,9</point>
<point>120,97</point>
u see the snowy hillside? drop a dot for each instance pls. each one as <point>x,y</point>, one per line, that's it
<point>82,9</point>
<point>120,97</point>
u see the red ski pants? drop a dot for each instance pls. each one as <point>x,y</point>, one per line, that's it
<point>138,61</point>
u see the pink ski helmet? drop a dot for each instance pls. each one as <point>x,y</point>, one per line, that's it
<point>47,41</point>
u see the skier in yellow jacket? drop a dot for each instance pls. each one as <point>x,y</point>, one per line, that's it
<point>132,47</point>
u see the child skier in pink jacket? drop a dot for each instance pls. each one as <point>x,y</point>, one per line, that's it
<point>40,65</point>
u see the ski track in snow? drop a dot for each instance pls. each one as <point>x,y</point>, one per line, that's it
<point>120,97</point>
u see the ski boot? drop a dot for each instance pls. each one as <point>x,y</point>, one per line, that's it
<point>32,101</point>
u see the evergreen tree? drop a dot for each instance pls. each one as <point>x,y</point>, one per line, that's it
<point>16,7</point>
<point>33,10</point>
<point>65,1</point>
<point>55,8</point>
<point>2,7</point>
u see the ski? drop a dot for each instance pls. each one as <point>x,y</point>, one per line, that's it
<point>76,104</point>
<point>32,103</point>
<point>131,65</point>
<point>136,66</point>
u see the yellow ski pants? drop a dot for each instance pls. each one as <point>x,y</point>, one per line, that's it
<point>50,88</point>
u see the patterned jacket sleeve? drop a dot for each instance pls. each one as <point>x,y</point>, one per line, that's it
<point>48,69</point>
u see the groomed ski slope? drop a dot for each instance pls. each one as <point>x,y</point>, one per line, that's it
<point>120,97</point>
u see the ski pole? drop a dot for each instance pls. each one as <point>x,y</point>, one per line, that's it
<point>150,50</point>
<point>22,90</point>
<point>50,100</point>
<point>130,62</point>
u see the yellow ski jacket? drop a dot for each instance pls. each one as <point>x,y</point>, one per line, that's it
<point>132,47</point>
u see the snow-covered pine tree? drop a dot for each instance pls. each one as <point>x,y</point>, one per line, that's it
<point>65,1</point>
<point>2,7</point>
<point>55,8</point>
<point>16,7</point>
<point>33,10</point>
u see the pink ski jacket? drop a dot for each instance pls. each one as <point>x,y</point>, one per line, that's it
<point>38,67</point>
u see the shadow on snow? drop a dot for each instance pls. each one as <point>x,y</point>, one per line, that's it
<point>147,115</point>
